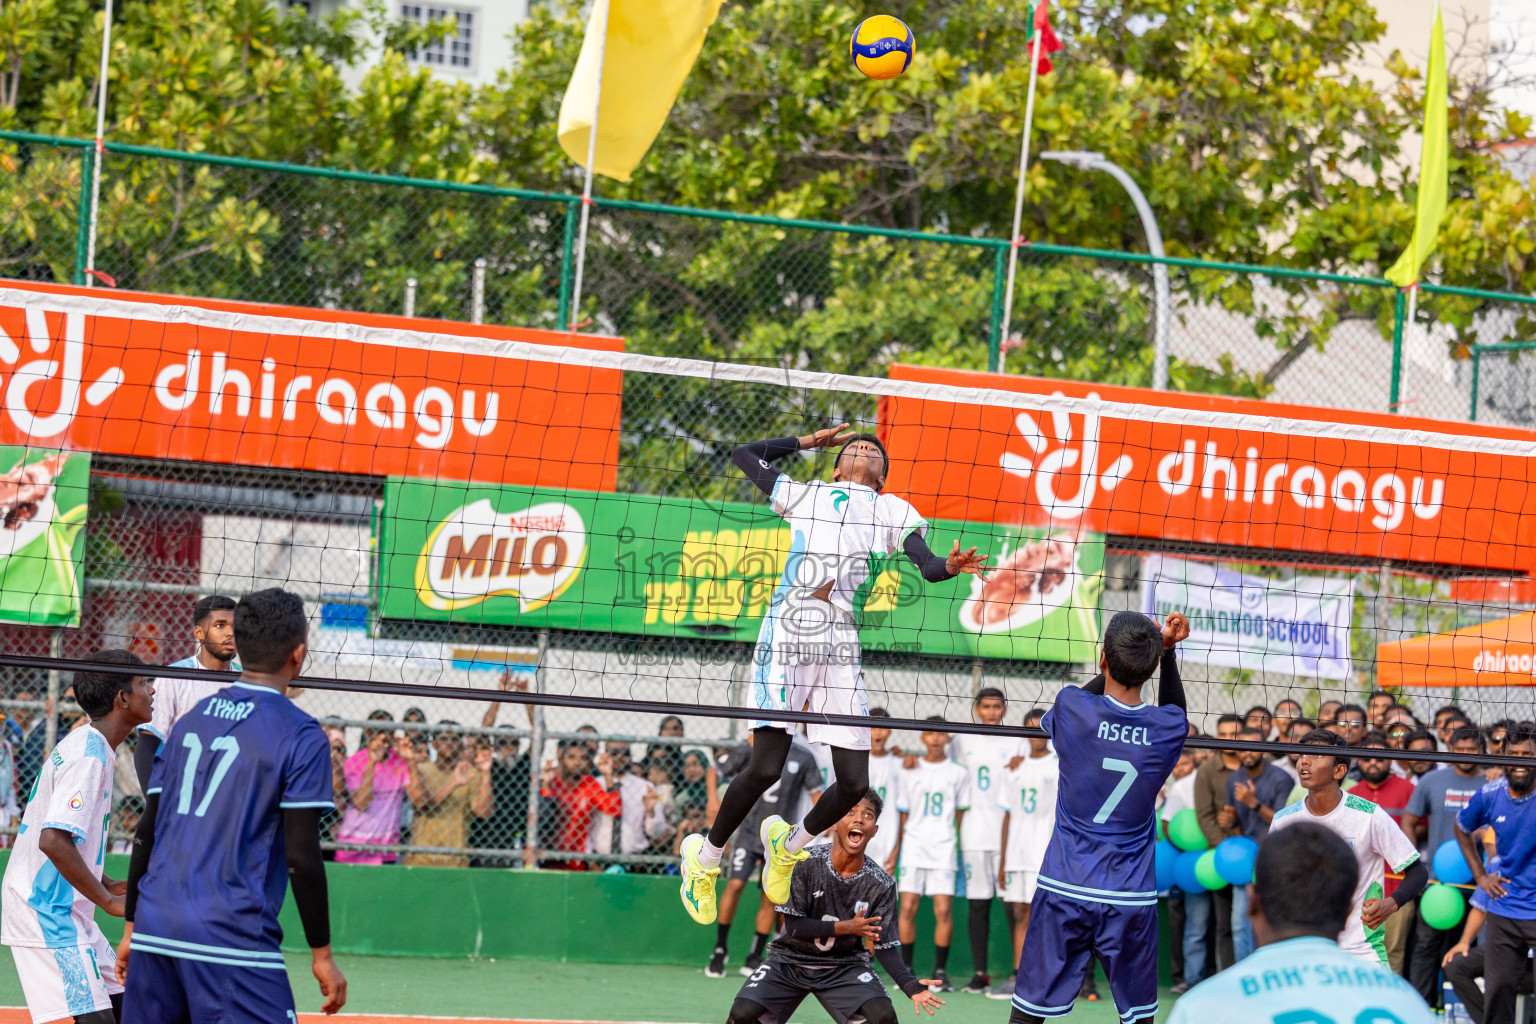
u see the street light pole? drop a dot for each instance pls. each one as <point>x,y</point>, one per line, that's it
<point>1161,295</point>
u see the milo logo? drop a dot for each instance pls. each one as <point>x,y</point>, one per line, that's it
<point>477,553</point>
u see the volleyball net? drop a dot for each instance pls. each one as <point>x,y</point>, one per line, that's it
<point>481,515</point>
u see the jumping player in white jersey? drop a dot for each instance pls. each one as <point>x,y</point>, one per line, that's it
<point>808,654</point>
<point>985,758</point>
<point>213,627</point>
<point>54,881</point>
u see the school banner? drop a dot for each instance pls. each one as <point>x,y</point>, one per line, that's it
<point>686,568</point>
<point>173,377</point>
<point>1297,626</point>
<point>42,538</point>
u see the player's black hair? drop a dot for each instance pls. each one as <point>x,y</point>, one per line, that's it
<point>1519,732</point>
<point>1374,740</point>
<point>1250,730</point>
<point>1033,713</point>
<point>1350,709</point>
<point>1467,732</point>
<point>1288,700</point>
<point>269,626</point>
<point>872,797</point>
<point>96,692</point>
<point>1301,720</point>
<point>1305,877</point>
<point>210,604</point>
<point>939,719</point>
<point>989,691</point>
<point>1447,709</point>
<point>1329,738</point>
<point>879,713</point>
<point>1133,648</point>
<point>1233,719</point>
<point>1382,693</point>
<point>1259,709</point>
<point>1421,733</point>
<point>872,439</point>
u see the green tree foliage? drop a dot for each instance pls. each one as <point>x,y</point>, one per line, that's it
<point>1241,119</point>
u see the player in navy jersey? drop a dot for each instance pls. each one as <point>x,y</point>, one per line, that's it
<point>1097,896</point>
<point>232,813</point>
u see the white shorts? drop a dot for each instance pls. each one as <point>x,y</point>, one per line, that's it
<point>1019,886</point>
<point>60,984</point>
<point>806,665</point>
<point>926,881</point>
<point>980,873</point>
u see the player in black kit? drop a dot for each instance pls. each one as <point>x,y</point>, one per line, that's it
<point>837,900</point>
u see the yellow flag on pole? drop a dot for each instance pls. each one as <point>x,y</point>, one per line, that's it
<point>1434,174</point>
<point>649,49</point>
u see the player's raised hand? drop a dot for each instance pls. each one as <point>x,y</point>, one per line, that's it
<point>860,926</point>
<point>1175,630</point>
<point>966,561</point>
<point>122,954</point>
<point>333,984</point>
<point>926,1000</point>
<point>828,437</point>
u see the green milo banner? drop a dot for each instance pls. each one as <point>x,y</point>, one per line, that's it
<point>629,563</point>
<point>42,542</point>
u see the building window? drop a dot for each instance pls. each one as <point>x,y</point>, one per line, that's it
<point>455,52</point>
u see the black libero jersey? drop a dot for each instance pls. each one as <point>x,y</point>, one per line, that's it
<point>818,892</point>
<point>800,775</point>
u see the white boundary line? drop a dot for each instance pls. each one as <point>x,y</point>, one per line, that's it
<point>217,319</point>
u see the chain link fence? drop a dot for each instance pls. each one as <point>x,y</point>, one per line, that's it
<point>744,288</point>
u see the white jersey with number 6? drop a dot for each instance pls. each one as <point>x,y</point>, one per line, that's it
<point>985,759</point>
<point>929,795</point>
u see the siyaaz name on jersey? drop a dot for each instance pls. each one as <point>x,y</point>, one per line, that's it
<point>1135,735</point>
<point>234,710</point>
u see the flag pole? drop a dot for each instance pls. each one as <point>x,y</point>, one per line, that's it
<point>1018,195</point>
<point>101,148</point>
<point>1402,373</point>
<point>600,22</point>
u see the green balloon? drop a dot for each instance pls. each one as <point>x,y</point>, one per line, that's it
<point>1442,907</point>
<point>1205,871</point>
<point>1184,830</point>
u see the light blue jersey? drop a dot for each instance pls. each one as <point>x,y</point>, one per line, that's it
<point>1303,981</point>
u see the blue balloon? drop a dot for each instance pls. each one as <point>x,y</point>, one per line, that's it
<point>1164,854</point>
<point>1184,871</point>
<point>1450,866</point>
<point>1235,858</point>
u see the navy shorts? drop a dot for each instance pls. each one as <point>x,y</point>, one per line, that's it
<point>174,990</point>
<point>1065,935</point>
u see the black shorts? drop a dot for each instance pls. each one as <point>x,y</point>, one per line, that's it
<point>780,988</point>
<point>744,860</point>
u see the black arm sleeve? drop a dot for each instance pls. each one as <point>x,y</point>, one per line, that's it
<point>752,459</point>
<point>144,750</point>
<point>138,857</point>
<point>1095,686</point>
<point>1414,882</point>
<point>1170,686</point>
<point>933,568</point>
<point>901,974</point>
<point>805,928</point>
<point>306,873</point>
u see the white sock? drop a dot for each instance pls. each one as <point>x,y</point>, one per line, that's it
<point>798,838</point>
<point>710,854</point>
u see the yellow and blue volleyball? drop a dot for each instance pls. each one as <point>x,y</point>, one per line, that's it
<point>882,47</point>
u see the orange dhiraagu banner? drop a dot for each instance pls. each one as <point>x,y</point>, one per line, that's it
<point>1214,470</point>
<point>256,385</point>
<point>1498,653</point>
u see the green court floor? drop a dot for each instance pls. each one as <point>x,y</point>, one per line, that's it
<point>547,990</point>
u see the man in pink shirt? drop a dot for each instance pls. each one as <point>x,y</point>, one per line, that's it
<point>376,778</point>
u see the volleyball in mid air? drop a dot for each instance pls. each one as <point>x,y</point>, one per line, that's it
<point>882,47</point>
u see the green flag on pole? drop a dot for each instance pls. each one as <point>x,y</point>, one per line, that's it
<point>1433,170</point>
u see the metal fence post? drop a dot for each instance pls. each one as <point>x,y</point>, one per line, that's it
<point>995,334</point>
<point>567,267</point>
<point>535,758</point>
<point>1477,365</point>
<point>477,293</point>
<point>410,296</point>
<point>83,220</point>
<point>1399,311</point>
<point>55,687</point>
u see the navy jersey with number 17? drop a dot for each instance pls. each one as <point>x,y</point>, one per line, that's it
<point>1114,759</point>
<point>218,871</point>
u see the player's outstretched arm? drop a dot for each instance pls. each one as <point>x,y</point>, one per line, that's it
<point>306,876</point>
<point>936,569</point>
<point>901,974</point>
<point>754,459</point>
<point>1170,685</point>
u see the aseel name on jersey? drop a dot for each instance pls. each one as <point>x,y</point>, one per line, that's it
<point>1135,735</point>
<point>235,710</point>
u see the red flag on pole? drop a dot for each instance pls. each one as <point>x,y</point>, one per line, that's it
<point>1040,21</point>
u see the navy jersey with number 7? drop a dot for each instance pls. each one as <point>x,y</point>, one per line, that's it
<point>1114,759</point>
<point>218,872</point>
